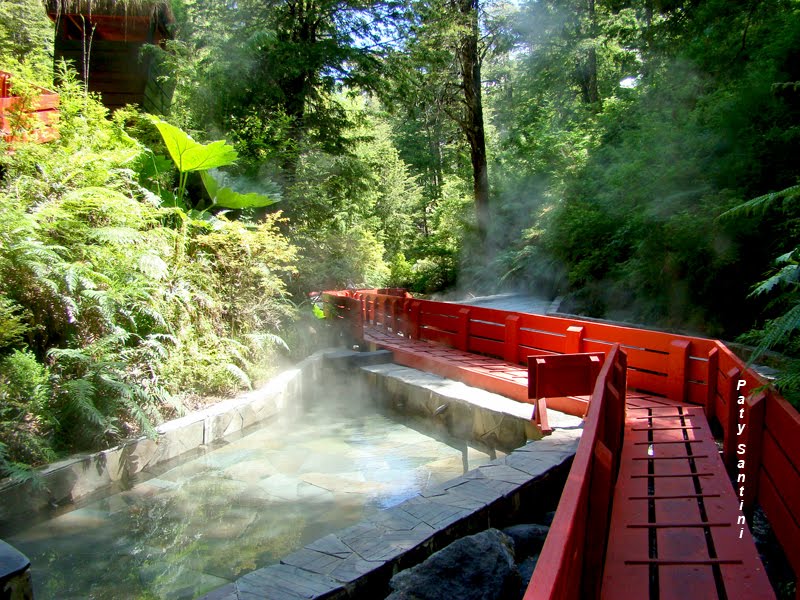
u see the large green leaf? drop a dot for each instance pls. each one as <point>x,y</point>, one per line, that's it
<point>189,155</point>
<point>226,197</point>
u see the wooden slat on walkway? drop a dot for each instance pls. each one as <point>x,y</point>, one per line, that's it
<point>676,520</point>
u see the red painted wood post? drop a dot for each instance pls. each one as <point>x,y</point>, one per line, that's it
<point>376,312</point>
<point>414,318</point>
<point>511,349</point>
<point>405,323</point>
<point>462,335</point>
<point>395,315</point>
<point>729,419</point>
<point>368,309</point>
<point>753,438</point>
<point>364,309</point>
<point>364,320</point>
<point>574,341</point>
<point>384,323</point>
<point>677,369</point>
<point>711,383</point>
<point>356,319</point>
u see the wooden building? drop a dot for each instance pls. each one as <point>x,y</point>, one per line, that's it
<point>103,39</point>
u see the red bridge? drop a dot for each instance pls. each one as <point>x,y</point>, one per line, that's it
<point>648,509</point>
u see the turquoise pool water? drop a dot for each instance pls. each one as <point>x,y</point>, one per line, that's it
<point>186,529</point>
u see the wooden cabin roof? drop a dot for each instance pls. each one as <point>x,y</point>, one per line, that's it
<point>113,20</point>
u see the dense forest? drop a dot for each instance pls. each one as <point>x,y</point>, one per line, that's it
<point>639,158</point>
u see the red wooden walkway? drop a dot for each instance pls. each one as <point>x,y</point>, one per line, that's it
<point>648,510</point>
<point>675,529</point>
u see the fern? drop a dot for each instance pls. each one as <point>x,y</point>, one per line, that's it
<point>18,472</point>
<point>267,341</point>
<point>790,274</point>
<point>240,375</point>
<point>757,206</point>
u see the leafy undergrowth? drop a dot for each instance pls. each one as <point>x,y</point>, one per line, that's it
<point>116,302</point>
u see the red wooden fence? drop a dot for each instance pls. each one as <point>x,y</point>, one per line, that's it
<point>761,430</point>
<point>45,109</point>
<point>570,564</point>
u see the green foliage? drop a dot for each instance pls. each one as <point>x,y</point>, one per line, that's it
<point>352,213</point>
<point>26,418</point>
<point>113,306</point>
<point>190,156</point>
<point>628,188</point>
<point>12,323</point>
<point>226,197</point>
<point>26,40</point>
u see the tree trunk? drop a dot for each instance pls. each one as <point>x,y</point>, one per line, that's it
<point>472,123</point>
<point>588,70</point>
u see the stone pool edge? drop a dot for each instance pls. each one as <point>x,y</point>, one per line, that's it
<point>78,476</point>
<point>359,561</point>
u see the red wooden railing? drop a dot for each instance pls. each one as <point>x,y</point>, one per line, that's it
<point>761,443</point>
<point>570,564</point>
<point>45,109</point>
<point>663,364</point>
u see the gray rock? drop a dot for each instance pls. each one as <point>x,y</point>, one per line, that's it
<point>528,539</point>
<point>477,567</point>
<point>526,568</point>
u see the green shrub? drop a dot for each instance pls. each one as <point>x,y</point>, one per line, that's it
<point>26,415</point>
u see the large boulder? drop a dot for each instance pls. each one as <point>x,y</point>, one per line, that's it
<point>528,539</point>
<point>477,567</point>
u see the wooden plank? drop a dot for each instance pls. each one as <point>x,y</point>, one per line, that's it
<point>563,374</point>
<point>697,394</point>
<point>785,526</point>
<point>490,315</point>
<point>437,321</point>
<point>437,335</point>
<point>755,408</point>
<point>546,341</point>
<point>484,346</point>
<point>624,543</point>
<point>599,512</point>
<point>444,309</point>
<point>783,423</point>
<point>646,360</point>
<point>462,330</point>
<point>677,365</point>
<point>491,331</point>
<point>647,381</point>
<point>574,339</point>
<point>729,415</point>
<point>780,468</point>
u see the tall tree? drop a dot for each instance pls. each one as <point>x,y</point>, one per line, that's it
<point>442,58</point>
<point>471,122</point>
<point>277,65</point>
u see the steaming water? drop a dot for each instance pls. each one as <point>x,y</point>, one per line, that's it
<point>193,527</point>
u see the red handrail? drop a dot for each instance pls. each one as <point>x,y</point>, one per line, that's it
<point>567,568</point>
